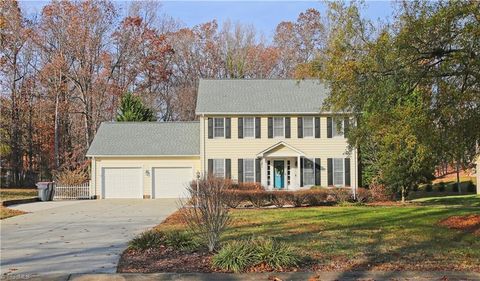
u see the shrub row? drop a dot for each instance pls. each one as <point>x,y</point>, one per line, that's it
<point>451,187</point>
<point>240,255</point>
<point>312,197</point>
<point>180,240</point>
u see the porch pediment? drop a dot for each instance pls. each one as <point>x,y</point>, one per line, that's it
<point>281,149</point>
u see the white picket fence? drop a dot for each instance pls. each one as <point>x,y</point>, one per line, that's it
<point>72,192</point>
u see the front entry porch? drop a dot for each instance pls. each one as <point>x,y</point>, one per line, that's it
<point>280,167</point>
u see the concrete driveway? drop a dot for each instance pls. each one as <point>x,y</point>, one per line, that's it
<point>76,236</point>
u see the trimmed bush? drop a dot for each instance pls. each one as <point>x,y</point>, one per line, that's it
<point>247,186</point>
<point>471,187</point>
<point>147,240</point>
<point>259,198</point>
<point>282,198</point>
<point>341,195</point>
<point>240,255</point>
<point>379,192</point>
<point>428,187</point>
<point>363,195</point>
<point>233,198</point>
<point>317,197</point>
<point>300,197</point>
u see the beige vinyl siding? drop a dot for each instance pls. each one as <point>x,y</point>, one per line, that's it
<point>246,148</point>
<point>146,163</point>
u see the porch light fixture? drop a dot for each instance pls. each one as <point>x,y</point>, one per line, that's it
<point>147,173</point>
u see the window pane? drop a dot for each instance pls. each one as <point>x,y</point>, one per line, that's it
<point>248,170</point>
<point>278,129</point>
<point>308,126</point>
<point>219,168</point>
<point>249,127</point>
<point>338,174</point>
<point>308,172</point>
<point>337,127</point>
<point>219,127</point>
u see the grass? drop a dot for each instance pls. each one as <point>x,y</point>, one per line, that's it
<point>366,237</point>
<point>13,194</point>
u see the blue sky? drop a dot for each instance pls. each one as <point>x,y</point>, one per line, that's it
<point>263,15</point>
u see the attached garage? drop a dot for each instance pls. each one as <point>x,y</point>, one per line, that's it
<point>122,182</point>
<point>144,159</point>
<point>171,182</point>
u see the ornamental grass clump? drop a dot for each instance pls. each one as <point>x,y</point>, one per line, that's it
<point>147,240</point>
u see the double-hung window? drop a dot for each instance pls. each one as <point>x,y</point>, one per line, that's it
<point>337,127</point>
<point>278,127</point>
<point>219,127</point>
<point>308,127</point>
<point>308,171</point>
<point>219,168</point>
<point>338,172</point>
<point>248,127</point>
<point>249,170</point>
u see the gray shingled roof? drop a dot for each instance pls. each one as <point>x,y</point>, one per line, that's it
<point>146,139</point>
<point>260,96</point>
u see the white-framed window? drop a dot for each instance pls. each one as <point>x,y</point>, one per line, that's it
<point>337,127</point>
<point>308,127</point>
<point>218,127</point>
<point>249,127</point>
<point>338,171</point>
<point>278,127</point>
<point>219,168</point>
<point>249,170</point>
<point>308,171</point>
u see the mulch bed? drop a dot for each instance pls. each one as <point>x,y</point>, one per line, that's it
<point>469,223</point>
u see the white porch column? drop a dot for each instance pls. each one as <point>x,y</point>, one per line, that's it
<point>298,172</point>
<point>263,162</point>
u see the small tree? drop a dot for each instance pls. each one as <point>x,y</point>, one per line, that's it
<point>133,109</point>
<point>206,212</point>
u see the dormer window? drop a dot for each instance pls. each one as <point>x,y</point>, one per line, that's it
<point>219,127</point>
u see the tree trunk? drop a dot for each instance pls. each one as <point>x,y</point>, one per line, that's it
<point>458,177</point>
<point>56,135</point>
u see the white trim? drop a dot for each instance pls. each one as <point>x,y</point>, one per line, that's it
<point>264,113</point>
<point>261,153</point>
<point>224,128</point>
<point>132,156</point>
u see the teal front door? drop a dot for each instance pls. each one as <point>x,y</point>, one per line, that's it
<point>279,168</point>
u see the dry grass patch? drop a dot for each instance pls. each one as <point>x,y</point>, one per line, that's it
<point>7,213</point>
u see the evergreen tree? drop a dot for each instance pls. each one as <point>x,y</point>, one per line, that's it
<point>133,109</point>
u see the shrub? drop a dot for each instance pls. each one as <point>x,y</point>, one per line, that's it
<point>247,186</point>
<point>181,240</point>
<point>316,197</point>
<point>454,187</point>
<point>210,216</point>
<point>72,177</point>
<point>282,198</point>
<point>428,187</point>
<point>147,240</point>
<point>441,186</point>
<point>363,195</point>
<point>300,197</point>
<point>471,187</point>
<point>379,192</point>
<point>239,255</point>
<point>233,198</point>
<point>259,198</point>
<point>415,188</point>
<point>341,195</point>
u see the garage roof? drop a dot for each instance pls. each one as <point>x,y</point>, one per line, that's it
<point>265,96</point>
<point>146,139</point>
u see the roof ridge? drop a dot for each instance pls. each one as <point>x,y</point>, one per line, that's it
<point>150,122</point>
<point>264,79</point>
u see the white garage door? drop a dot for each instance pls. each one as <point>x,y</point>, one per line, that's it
<point>122,183</point>
<point>171,182</point>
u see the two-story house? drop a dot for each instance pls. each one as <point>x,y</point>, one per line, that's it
<point>268,131</point>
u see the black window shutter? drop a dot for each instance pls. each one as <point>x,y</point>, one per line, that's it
<point>240,127</point>
<point>300,127</point>
<point>258,127</point>
<point>210,128</point>
<point>347,172</point>
<point>258,170</point>
<point>329,127</point>
<point>228,128</point>
<point>228,168</point>
<point>330,171</point>
<point>287,127</point>
<point>346,125</point>
<point>270,127</point>
<point>317,171</point>
<point>301,172</point>
<point>240,170</point>
<point>210,167</point>
<point>317,127</point>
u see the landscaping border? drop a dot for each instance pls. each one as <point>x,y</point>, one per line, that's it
<point>7,203</point>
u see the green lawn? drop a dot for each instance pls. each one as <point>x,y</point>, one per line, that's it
<point>367,237</point>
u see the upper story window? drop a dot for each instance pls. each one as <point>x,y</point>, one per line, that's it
<point>308,127</point>
<point>337,127</point>
<point>338,172</point>
<point>278,127</point>
<point>249,170</point>
<point>249,127</point>
<point>218,127</point>
<point>219,168</point>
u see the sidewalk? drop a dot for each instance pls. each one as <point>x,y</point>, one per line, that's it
<point>294,276</point>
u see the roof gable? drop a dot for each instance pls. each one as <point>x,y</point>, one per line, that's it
<point>146,139</point>
<point>251,96</point>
